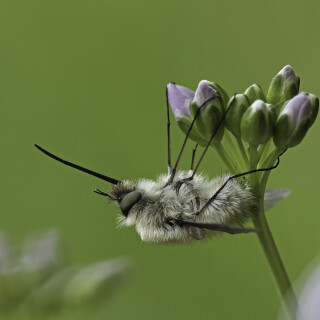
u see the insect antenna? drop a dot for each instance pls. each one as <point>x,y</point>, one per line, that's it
<point>93,173</point>
<point>237,176</point>
<point>193,155</point>
<point>186,138</point>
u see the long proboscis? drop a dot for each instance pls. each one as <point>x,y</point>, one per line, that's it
<point>93,173</point>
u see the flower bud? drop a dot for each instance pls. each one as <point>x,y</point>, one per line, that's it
<point>293,121</point>
<point>223,94</point>
<point>180,99</point>
<point>273,113</point>
<point>210,114</point>
<point>284,86</point>
<point>314,101</point>
<point>257,123</point>
<point>255,92</point>
<point>240,103</point>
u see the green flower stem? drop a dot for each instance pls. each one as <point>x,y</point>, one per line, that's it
<point>253,164</point>
<point>270,249</point>
<point>267,242</point>
<point>268,160</point>
<point>263,151</point>
<point>235,151</point>
<point>243,151</point>
<point>225,158</point>
<point>265,237</point>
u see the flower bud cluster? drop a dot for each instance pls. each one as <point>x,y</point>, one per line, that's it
<point>283,114</point>
<point>36,279</point>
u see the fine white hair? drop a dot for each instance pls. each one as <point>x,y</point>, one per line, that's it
<point>155,215</point>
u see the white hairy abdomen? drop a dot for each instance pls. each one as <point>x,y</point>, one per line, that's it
<point>163,204</point>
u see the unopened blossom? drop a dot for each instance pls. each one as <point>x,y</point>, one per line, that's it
<point>293,122</point>
<point>255,92</point>
<point>257,123</point>
<point>240,103</point>
<point>284,86</point>
<point>185,105</point>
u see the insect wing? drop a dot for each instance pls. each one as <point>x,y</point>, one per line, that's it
<point>274,196</point>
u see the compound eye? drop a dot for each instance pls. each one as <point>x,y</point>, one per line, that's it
<point>129,200</point>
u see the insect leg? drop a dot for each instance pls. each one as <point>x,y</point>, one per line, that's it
<point>237,176</point>
<point>186,138</point>
<point>168,132</point>
<point>211,138</point>
<point>193,154</point>
<point>216,226</point>
<point>98,191</point>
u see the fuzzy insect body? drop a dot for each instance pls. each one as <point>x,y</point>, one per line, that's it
<point>157,213</point>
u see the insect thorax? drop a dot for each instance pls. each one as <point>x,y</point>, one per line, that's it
<point>155,214</point>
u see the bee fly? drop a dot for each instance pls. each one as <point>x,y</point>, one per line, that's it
<point>181,206</point>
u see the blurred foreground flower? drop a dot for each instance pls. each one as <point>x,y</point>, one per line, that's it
<point>309,306</point>
<point>37,281</point>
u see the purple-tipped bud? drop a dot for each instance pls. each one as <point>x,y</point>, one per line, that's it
<point>179,99</point>
<point>288,73</point>
<point>211,113</point>
<point>204,93</point>
<point>314,108</point>
<point>293,122</point>
<point>284,86</point>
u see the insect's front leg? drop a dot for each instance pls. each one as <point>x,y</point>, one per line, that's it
<point>102,193</point>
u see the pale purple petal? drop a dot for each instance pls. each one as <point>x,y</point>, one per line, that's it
<point>298,108</point>
<point>179,99</point>
<point>287,72</point>
<point>204,92</point>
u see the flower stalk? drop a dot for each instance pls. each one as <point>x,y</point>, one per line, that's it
<point>268,244</point>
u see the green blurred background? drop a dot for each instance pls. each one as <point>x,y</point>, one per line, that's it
<point>86,80</point>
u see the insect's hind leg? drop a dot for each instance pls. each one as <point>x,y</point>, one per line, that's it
<point>237,176</point>
<point>210,140</point>
<point>212,226</point>
<point>168,132</point>
<point>174,170</point>
<point>193,155</point>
